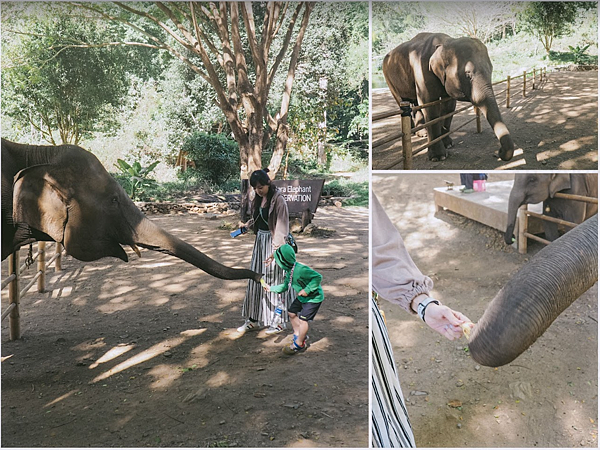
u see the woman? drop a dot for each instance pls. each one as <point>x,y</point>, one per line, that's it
<point>396,278</point>
<point>270,222</point>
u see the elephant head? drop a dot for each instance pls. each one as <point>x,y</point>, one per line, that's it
<point>64,194</point>
<point>463,66</point>
<point>532,188</point>
<point>536,295</point>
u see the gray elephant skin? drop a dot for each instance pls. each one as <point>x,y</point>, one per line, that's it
<point>532,188</point>
<point>434,65</point>
<point>536,295</point>
<point>64,194</point>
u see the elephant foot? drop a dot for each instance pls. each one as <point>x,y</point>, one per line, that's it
<point>421,133</point>
<point>504,155</point>
<point>448,143</point>
<point>438,158</point>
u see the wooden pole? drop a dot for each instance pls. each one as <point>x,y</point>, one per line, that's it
<point>13,296</point>
<point>533,81</point>
<point>524,83</point>
<point>523,223</point>
<point>58,261</point>
<point>508,91</point>
<point>478,115</point>
<point>406,136</point>
<point>41,281</point>
<point>579,198</point>
<point>541,74</point>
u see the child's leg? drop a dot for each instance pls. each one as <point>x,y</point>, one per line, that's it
<point>294,320</point>
<point>302,331</point>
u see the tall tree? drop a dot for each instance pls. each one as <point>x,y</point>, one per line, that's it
<point>56,89</point>
<point>232,46</point>
<point>550,20</point>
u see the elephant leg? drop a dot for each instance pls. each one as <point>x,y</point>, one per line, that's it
<point>449,107</point>
<point>419,119</point>
<point>436,151</point>
<point>550,231</point>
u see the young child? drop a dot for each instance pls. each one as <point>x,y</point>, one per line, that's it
<point>307,283</point>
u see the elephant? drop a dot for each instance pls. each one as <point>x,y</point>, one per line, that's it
<point>532,188</point>
<point>434,65</point>
<point>64,194</point>
<point>536,295</point>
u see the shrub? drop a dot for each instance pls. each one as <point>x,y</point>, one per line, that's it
<point>216,158</point>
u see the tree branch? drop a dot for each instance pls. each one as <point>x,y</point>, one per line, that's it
<point>284,46</point>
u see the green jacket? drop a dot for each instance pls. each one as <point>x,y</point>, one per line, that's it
<point>303,276</point>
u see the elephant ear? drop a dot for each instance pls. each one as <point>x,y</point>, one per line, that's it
<point>437,65</point>
<point>559,182</point>
<point>39,203</point>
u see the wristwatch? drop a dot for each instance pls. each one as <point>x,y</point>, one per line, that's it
<point>423,306</point>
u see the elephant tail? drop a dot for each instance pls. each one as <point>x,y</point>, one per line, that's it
<point>536,295</point>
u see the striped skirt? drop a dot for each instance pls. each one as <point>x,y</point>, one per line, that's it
<point>258,304</point>
<point>390,426</point>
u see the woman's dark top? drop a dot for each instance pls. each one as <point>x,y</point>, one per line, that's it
<point>264,214</point>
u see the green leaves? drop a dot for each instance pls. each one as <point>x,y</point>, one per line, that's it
<point>137,176</point>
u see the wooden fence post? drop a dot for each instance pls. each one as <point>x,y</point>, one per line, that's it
<point>541,75</point>
<point>508,91</point>
<point>524,83</point>
<point>533,81</point>
<point>521,238</point>
<point>406,136</point>
<point>13,295</point>
<point>58,260</point>
<point>478,120</point>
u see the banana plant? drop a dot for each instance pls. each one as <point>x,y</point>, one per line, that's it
<point>138,177</point>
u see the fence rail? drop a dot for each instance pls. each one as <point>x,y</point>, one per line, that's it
<point>524,214</point>
<point>406,110</point>
<point>13,282</point>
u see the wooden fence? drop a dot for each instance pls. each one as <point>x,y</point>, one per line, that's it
<point>14,278</point>
<point>406,111</point>
<point>524,214</point>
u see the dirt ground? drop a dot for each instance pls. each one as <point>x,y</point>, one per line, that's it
<point>547,397</point>
<point>554,127</point>
<point>146,353</point>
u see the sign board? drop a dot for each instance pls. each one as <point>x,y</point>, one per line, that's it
<point>300,195</point>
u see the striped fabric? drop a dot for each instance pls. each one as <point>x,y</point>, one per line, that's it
<point>258,304</point>
<point>390,426</point>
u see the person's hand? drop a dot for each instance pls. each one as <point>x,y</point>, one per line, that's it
<point>269,260</point>
<point>302,293</point>
<point>267,288</point>
<point>445,321</point>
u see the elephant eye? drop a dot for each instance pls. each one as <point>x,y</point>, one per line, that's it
<point>114,200</point>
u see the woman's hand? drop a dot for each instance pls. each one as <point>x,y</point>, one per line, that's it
<point>302,293</point>
<point>269,260</point>
<point>445,321</point>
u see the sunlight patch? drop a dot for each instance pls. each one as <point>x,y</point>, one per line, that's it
<point>112,354</point>
<point>61,398</point>
<point>219,379</point>
<point>144,356</point>
<point>343,319</point>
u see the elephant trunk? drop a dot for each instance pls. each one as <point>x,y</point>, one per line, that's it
<point>151,236</point>
<point>514,203</point>
<point>486,102</point>
<point>536,295</point>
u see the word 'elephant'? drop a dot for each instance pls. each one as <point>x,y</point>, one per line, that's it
<point>532,188</point>
<point>434,65</point>
<point>64,194</point>
<point>536,295</point>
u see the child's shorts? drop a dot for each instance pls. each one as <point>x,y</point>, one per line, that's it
<point>306,311</point>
